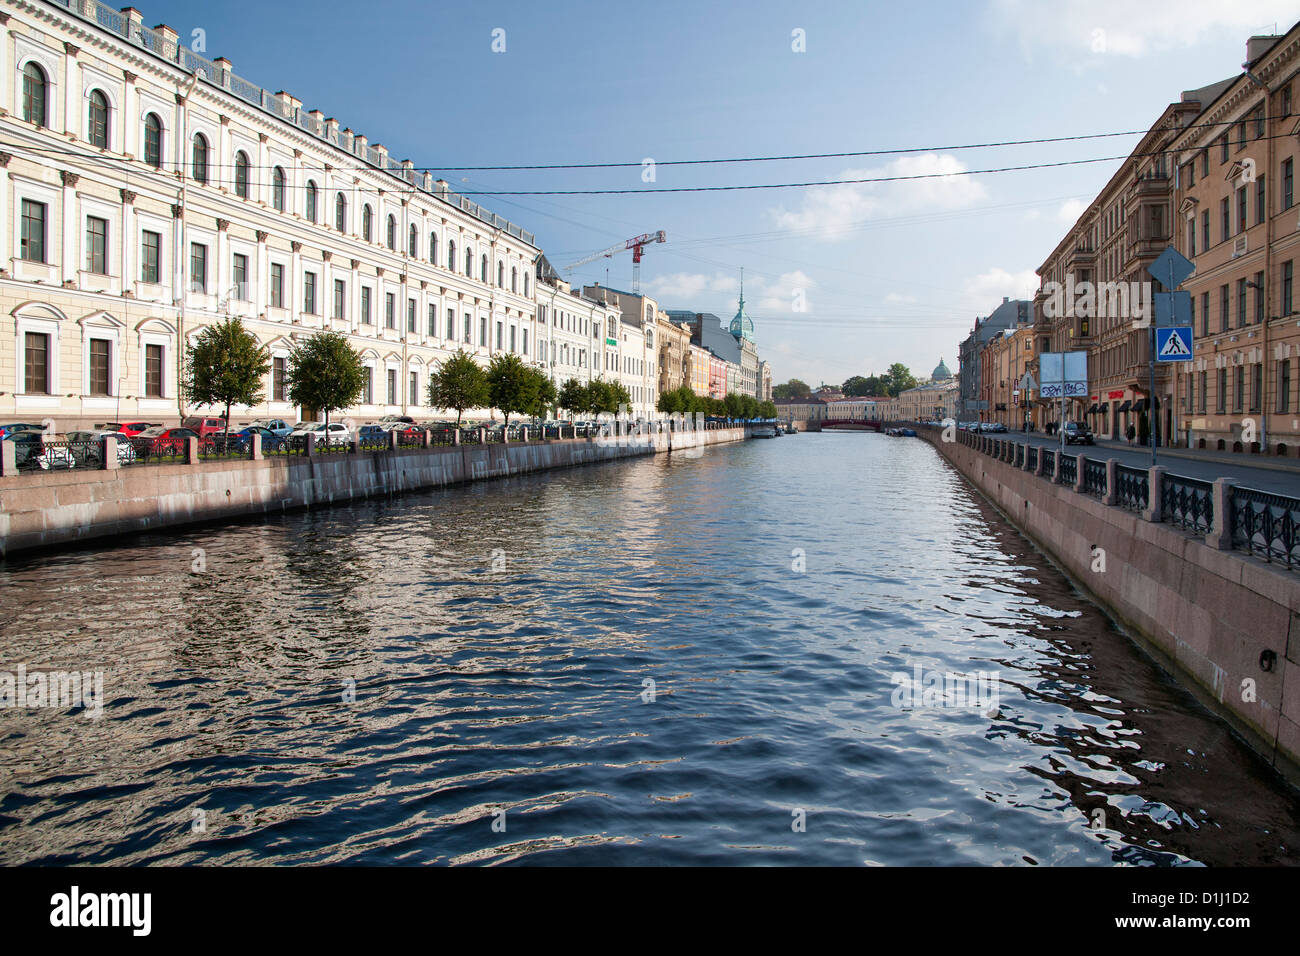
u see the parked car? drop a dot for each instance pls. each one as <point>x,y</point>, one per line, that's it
<point>1077,433</point>
<point>240,440</point>
<point>32,449</point>
<point>335,431</point>
<point>132,429</point>
<point>92,454</point>
<point>160,440</point>
<point>7,430</point>
<point>403,419</point>
<point>203,427</point>
<point>372,434</point>
<point>278,426</point>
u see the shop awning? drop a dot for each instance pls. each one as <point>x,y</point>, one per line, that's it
<point>1125,407</point>
<point>1092,410</point>
<point>1140,405</point>
<point>1104,407</point>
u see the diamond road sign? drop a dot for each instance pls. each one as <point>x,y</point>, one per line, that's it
<point>1174,344</point>
<point>1173,308</point>
<point>1171,268</point>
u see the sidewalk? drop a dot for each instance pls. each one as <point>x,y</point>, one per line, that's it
<point>1270,462</point>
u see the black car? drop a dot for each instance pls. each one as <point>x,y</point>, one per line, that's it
<point>1077,433</point>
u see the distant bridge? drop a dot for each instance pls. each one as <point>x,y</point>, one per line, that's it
<point>853,424</point>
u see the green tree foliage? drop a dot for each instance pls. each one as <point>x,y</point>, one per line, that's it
<point>860,386</point>
<point>898,379</point>
<point>325,373</point>
<point>792,389</point>
<point>512,386</point>
<point>543,391</point>
<point>766,410</point>
<point>575,396</point>
<point>458,383</point>
<point>225,367</point>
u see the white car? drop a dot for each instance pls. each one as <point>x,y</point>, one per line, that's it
<point>335,431</point>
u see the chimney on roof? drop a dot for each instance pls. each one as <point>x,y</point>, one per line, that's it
<point>1006,299</point>
<point>1256,46</point>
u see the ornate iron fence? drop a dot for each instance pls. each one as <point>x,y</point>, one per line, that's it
<point>1032,452</point>
<point>370,443</point>
<point>1069,469</point>
<point>332,445</point>
<point>1094,477</point>
<point>1268,526</point>
<point>1049,462</point>
<point>159,451</point>
<point>1187,503</point>
<point>1132,490</point>
<point>1019,460</point>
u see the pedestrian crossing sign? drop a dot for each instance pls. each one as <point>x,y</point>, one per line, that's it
<point>1174,344</point>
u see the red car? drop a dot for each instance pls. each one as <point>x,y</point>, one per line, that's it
<point>204,427</point>
<point>157,440</point>
<point>132,429</point>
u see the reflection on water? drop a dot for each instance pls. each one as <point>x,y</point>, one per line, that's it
<point>622,659</point>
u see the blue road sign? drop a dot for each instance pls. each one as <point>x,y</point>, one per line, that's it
<point>1171,268</point>
<point>1174,344</point>
<point>1173,308</point>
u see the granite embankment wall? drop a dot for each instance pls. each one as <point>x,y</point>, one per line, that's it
<point>1208,615</point>
<point>48,508</point>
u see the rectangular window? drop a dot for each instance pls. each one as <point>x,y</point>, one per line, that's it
<point>467,336</point>
<point>1288,183</point>
<point>392,386</point>
<point>410,316</point>
<point>1191,238</point>
<point>1257,387</point>
<point>1288,270</point>
<point>198,267</point>
<point>1284,385</point>
<point>1242,206</point>
<point>1259,297</point>
<point>32,244</point>
<point>365,306</point>
<point>482,331</point>
<point>150,256</point>
<point>1223,308</point>
<point>36,367</point>
<point>1223,148</point>
<point>451,325</point>
<point>525,342</point>
<point>99,366</point>
<point>1191,394</point>
<point>499,327</point>
<point>368,387</point>
<point>413,389</point>
<point>239,268</point>
<point>97,245</point>
<point>1241,303</point>
<point>1238,388</point>
<point>433,321</point>
<point>340,299</point>
<point>1191,174</point>
<point>277,285</point>
<point>1261,201</point>
<point>309,293</point>
<point>1225,220</point>
<point>279,379</point>
<point>153,371</point>
<point>390,313</point>
<point>1221,399</point>
<point>512,338</point>
<point>1204,384</point>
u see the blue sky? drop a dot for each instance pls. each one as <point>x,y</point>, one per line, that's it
<point>885,272</point>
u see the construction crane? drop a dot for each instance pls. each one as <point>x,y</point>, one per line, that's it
<point>637,246</point>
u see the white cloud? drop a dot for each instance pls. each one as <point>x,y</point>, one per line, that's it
<point>1071,210</point>
<point>718,292</point>
<point>686,287</point>
<point>828,212</point>
<point>895,298</point>
<point>984,292</point>
<point>1108,28</point>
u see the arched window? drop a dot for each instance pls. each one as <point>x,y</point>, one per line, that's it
<point>392,232</point>
<point>367,222</point>
<point>501,274</point>
<point>451,254</point>
<point>311,201</point>
<point>97,127</point>
<point>433,248</point>
<point>514,279</point>
<point>413,243</point>
<point>153,140</point>
<point>525,284</point>
<point>482,269</point>
<point>241,174</point>
<point>199,161</point>
<point>469,262</point>
<point>34,93</point>
<point>277,188</point>
<point>340,213</point>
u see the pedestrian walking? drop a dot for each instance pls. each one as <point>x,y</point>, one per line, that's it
<point>1132,433</point>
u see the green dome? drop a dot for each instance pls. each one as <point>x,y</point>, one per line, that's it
<point>941,373</point>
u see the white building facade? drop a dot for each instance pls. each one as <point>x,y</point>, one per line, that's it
<point>140,206</point>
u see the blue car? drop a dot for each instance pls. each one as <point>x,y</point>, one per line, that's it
<point>240,440</point>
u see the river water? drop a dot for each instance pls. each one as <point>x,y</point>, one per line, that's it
<point>668,660</point>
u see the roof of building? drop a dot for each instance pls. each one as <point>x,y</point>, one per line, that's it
<point>941,373</point>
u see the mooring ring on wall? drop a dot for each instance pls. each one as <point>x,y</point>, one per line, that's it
<point>1267,659</point>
